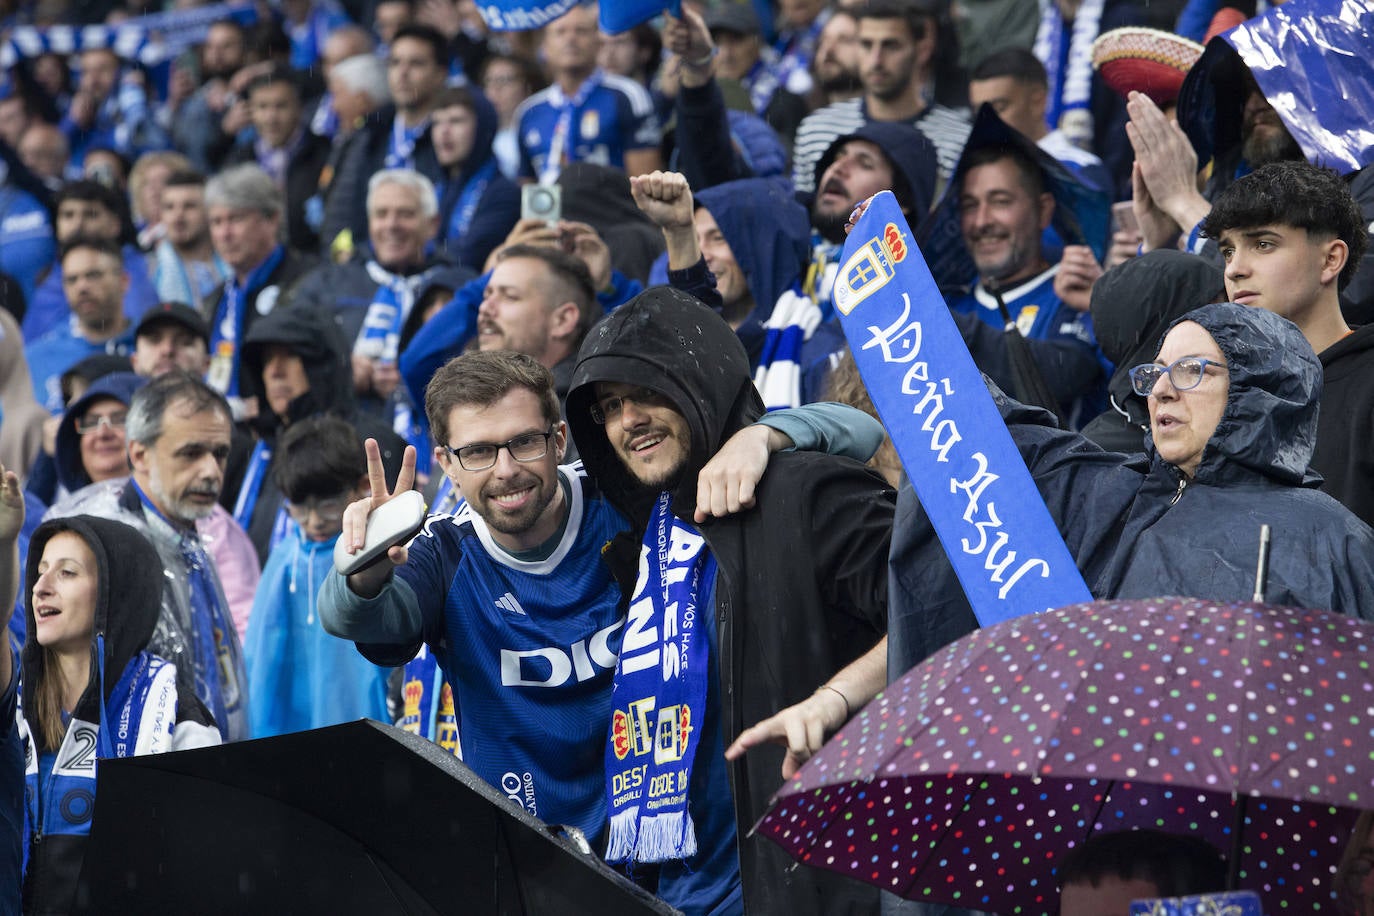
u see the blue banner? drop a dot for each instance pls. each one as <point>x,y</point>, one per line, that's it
<point>967,472</point>
<point>521,15</point>
<point>150,40</point>
<point>1311,60</point>
<point>622,15</point>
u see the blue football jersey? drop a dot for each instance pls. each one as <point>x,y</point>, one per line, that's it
<point>529,649</point>
<point>616,115</point>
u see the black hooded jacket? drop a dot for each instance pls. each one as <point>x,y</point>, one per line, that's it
<point>317,340</point>
<point>1345,428</point>
<point>127,605</point>
<point>1137,528</point>
<point>1132,305</point>
<point>801,586</point>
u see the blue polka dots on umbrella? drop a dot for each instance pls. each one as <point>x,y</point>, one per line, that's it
<point>970,778</point>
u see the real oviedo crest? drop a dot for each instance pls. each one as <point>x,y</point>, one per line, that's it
<point>869,268</point>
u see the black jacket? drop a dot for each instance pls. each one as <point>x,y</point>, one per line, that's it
<point>262,300</point>
<point>1345,427</point>
<point>802,581</point>
<point>317,340</point>
<point>346,205</point>
<point>1137,528</point>
<point>302,183</point>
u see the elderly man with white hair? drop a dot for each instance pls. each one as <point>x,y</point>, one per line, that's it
<point>372,295</point>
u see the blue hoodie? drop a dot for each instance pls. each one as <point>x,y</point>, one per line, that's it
<point>304,678</point>
<point>768,232</point>
<point>496,204</point>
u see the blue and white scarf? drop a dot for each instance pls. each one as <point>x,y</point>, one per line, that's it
<point>380,336</point>
<point>138,718</point>
<point>1070,69</point>
<point>762,83</point>
<point>659,699</point>
<point>460,217</point>
<point>778,376</point>
<point>427,699</point>
<point>227,329</point>
<point>563,143</point>
<point>177,280</point>
<point>380,339</point>
<point>401,153</point>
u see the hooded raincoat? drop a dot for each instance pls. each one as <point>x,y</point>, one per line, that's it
<point>1138,527</point>
<point>315,338</point>
<point>303,677</point>
<point>1132,304</point>
<point>128,685</point>
<point>801,585</point>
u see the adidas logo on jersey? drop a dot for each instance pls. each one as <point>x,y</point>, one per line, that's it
<point>508,604</point>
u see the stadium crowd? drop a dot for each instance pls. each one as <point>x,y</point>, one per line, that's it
<point>266,267</point>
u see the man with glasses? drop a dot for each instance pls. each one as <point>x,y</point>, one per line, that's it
<point>178,441</point>
<point>94,280</point>
<point>510,593</point>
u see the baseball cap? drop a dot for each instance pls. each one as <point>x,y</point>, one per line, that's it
<point>175,313</point>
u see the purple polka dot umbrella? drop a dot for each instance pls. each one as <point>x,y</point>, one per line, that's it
<point>970,778</point>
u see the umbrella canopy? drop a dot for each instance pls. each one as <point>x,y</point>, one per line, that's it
<point>355,818</point>
<point>969,778</point>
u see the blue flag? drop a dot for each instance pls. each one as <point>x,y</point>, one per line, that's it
<point>520,15</point>
<point>622,15</point>
<point>970,478</point>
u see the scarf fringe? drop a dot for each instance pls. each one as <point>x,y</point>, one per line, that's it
<point>661,837</point>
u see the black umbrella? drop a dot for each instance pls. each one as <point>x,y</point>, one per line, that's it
<point>356,818</point>
<point>1028,382</point>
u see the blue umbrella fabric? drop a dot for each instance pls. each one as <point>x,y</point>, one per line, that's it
<point>1311,60</point>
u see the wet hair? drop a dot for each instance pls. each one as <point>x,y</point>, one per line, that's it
<point>482,378</point>
<point>1016,62</point>
<point>319,457</point>
<point>1296,194</point>
<point>148,407</point>
<point>1031,178</point>
<point>1176,865</point>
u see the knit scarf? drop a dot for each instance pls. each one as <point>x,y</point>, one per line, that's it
<point>659,699</point>
<point>1070,69</point>
<point>778,376</point>
<point>137,718</point>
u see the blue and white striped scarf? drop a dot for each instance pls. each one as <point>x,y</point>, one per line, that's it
<point>1069,69</point>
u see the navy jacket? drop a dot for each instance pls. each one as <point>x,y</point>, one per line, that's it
<point>1138,528</point>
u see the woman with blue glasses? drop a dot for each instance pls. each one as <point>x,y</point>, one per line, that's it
<point>1232,395</point>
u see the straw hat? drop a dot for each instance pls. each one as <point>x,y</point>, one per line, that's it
<point>1145,60</point>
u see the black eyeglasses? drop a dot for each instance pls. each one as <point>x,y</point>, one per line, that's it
<point>1184,374</point>
<point>479,457</point>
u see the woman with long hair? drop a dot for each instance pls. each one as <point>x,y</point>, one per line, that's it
<point>93,597</point>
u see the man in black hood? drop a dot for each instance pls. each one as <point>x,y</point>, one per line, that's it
<point>798,590</point>
<point>299,359</point>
